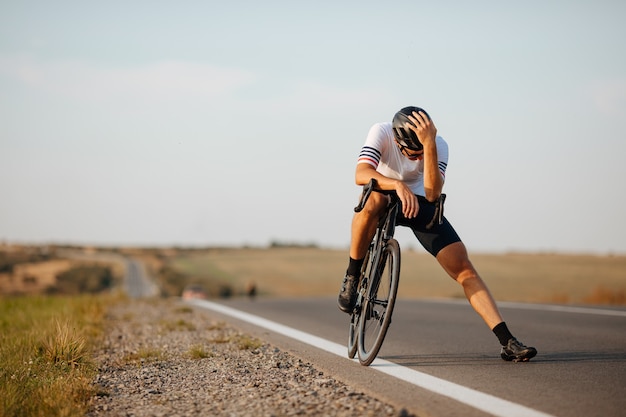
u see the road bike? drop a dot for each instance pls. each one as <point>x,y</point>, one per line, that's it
<point>380,276</point>
<point>378,287</point>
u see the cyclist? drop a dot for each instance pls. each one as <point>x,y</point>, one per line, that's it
<point>408,157</point>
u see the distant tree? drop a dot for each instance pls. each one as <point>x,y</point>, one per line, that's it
<point>84,279</point>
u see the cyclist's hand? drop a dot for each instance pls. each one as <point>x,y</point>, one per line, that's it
<point>410,206</point>
<point>423,127</point>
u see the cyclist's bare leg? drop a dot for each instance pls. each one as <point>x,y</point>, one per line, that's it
<point>364,224</point>
<point>455,261</point>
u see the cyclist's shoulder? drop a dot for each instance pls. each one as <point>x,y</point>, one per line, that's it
<point>380,134</point>
<point>381,128</point>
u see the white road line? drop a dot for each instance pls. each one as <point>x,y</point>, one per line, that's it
<point>541,307</point>
<point>479,400</point>
<point>565,309</point>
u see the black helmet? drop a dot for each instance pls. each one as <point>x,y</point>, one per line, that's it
<point>406,137</point>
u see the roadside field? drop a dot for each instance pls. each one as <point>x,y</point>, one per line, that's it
<point>300,272</point>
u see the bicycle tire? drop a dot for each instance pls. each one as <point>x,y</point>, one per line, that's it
<point>353,334</point>
<point>353,330</point>
<point>378,306</point>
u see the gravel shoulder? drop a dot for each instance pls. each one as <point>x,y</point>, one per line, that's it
<point>162,358</point>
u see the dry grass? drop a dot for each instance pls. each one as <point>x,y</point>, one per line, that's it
<point>245,342</point>
<point>554,278</point>
<point>64,346</point>
<point>301,272</point>
<point>177,325</point>
<point>601,295</point>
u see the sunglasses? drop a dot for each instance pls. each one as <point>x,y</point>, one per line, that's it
<point>406,150</point>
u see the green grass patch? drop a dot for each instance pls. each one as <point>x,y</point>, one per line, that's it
<point>45,354</point>
<point>198,352</point>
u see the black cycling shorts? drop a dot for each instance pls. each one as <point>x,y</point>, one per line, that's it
<point>438,236</point>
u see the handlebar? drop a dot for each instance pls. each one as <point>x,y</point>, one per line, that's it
<point>372,184</point>
<point>367,190</point>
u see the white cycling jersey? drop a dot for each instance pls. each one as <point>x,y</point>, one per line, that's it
<point>380,151</point>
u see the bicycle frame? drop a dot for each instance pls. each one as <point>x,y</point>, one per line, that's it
<point>385,231</point>
<point>386,224</point>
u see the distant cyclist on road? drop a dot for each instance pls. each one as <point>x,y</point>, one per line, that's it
<point>407,156</point>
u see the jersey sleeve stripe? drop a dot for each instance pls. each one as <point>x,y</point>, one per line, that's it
<point>442,168</point>
<point>370,152</point>
<point>370,156</point>
<point>366,160</point>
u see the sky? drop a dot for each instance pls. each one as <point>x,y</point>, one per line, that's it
<point>206,123</point>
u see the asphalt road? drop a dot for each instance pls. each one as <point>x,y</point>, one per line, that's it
<point>580,369</point>
<point>137,283</point>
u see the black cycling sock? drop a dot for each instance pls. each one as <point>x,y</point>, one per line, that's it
<point>503,333</point>
<point>354,267</point>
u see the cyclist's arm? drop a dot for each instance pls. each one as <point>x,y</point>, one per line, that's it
<point>426,131</point>
<point>433,180</point>
<point>410,206</point>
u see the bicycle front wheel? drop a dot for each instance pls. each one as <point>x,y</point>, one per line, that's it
<point>353,334</point>
<point>378,306</point>
<point>353,331</point>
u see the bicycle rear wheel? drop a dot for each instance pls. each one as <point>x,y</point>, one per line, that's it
<point>378,305</point>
